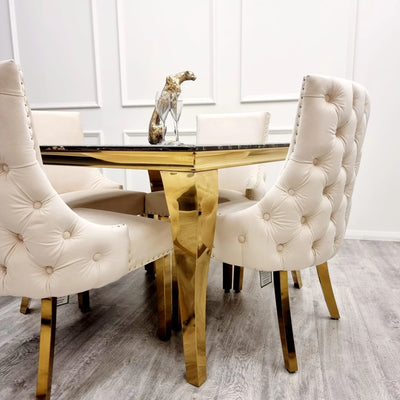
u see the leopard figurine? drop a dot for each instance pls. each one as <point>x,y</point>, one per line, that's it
<point>172,85</point>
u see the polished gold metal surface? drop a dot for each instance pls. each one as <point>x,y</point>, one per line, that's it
<point>172,85</point>
<point>156,184</point>
<point>284,319</point>
<point>233,158</point>
<point>238,278</point>
<point>46,348</point>
<point>325,280</point>
<point>163,281</point>
<point>189,160</point>
<point>176,316</point>
<point>190,182</point>
<point>297,282</point>
<point>25,303</point>
<point>84,301</point>
<point>192,203</point>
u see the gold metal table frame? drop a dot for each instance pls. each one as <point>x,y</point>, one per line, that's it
<point>190,179</point>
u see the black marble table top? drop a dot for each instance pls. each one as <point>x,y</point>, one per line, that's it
<point>157,147</point>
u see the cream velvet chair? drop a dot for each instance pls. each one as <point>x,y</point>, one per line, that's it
<point>239,184</point>
<point>46,249</point>
<point>79,186</point>
<point>302,220</point>
<point>65,128</point>
<point>238,128</point>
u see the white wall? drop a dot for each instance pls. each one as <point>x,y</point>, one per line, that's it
<point>106,59</point>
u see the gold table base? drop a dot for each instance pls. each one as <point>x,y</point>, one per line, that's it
<point>190,180</point>
<point>192,199</point>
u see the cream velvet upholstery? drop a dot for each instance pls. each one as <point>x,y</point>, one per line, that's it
<point>81,186</point>
<point>64,128</point>
<point>238,128</point>
<point>302,220</point>
<point>116,200</point>
<point>46,249</point>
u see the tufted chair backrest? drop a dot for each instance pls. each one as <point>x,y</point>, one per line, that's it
<point>237,128</point>
<point>301,221</point>
<point>64,128</point>
<point>45,248</point>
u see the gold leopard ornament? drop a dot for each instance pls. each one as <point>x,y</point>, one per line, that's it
<point>172,85</point>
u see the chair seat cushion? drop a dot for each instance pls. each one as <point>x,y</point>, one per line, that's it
<point>116,200</point>
<point>228,195</point>
<point>149,239</point>
<point>155,203</point>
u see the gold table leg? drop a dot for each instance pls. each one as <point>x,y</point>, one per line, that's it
<point>192,203</point>
<point>176,318</point>
<point>325,280</point>
<point>163,282</point>
<point>46,348</point>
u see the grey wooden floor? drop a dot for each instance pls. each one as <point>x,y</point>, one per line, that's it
<point>113,351</point>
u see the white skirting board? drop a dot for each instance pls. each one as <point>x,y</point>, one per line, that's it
<point>389,236</point>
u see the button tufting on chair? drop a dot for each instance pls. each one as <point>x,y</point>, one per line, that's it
<point>267,216</point>
<point>242,238</point>
<point>37,205</point>
<point>67,235</point>
<point>119,236</point>
<point>96,257</point>
<point>320,193</point>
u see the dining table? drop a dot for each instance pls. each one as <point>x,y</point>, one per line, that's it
<point>189,177</point>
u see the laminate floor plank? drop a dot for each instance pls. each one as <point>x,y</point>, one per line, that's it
<point>113,351</point>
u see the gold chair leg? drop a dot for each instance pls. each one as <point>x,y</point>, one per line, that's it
<point>149,268</point>
<point>163,282</point>
<point>284,319</point>
<point>84,301</point>
<point>46,348</point>
<point>296,275</point>
<point>325,280</point>
<point>25,304</point>
<point>175,319</point>
<point>237,278</point>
